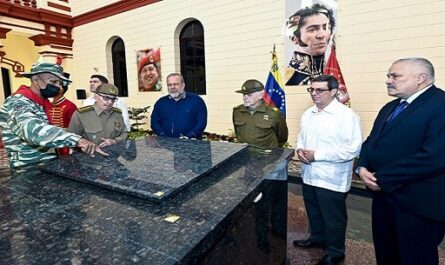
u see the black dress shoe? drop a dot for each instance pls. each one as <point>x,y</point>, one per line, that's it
<point>307,243</point>
<point>328,260</point>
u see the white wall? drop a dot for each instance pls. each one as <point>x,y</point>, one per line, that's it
<point>239,36</point>
<point>373,34</point>
<point>79,7</point>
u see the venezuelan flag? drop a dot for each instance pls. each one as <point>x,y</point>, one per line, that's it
<point>275,95</point>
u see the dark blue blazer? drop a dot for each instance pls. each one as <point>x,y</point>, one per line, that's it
<point>408,155</point>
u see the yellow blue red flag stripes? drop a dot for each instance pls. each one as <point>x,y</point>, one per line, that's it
<point>275,95</point>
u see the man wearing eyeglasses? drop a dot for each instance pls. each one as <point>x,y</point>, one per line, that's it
<point>328,141</point>
<point>95,81</point>
<point>26,122</point>
<point>101,123</point>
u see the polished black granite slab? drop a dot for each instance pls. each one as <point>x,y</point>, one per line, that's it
<point>153,169</point>
<point>47,219</point>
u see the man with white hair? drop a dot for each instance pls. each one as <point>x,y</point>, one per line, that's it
<point>255,122</point>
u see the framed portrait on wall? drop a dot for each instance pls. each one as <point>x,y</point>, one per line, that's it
<point>149,70</point>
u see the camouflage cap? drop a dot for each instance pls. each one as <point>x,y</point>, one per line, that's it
<point>108,89</point>
<point>251,86</point>
<point>39,68</point>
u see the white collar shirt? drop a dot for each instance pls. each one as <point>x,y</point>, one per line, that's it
<point>335,135</point>
<point>417,94</point>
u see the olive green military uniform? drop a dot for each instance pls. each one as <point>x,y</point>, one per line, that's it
<point>93,124</point>
<point>264,127</point>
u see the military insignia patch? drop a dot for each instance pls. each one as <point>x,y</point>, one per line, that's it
<point>86,108</point>
<point>117,110</point>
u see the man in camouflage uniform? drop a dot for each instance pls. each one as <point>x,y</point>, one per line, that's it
<point>25,121</point>
<point>101,123</point>
<point>255,122</point>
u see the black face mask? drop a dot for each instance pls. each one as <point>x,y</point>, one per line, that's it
<point>50,91</point>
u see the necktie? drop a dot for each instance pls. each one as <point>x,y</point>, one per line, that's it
<point>402,105</point>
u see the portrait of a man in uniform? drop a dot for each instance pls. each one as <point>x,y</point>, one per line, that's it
<point>149,70</point>
<point>310,30</point>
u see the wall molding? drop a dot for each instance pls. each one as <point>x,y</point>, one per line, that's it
<point>110,10</point>
<point>3,32</point>
<point>38,15</point>
<point>58,26</point>
<point>41,40</point>
<point>58,6</point>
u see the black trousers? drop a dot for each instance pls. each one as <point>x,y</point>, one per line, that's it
<point>326,211</point>
<point>402,238</point>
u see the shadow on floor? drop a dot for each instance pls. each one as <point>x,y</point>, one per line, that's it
<point>359,247</point>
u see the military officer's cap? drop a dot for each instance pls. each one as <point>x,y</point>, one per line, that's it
<point>251,86</point>
<point>107,89</point>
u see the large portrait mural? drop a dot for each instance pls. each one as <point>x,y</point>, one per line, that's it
<point>149,70</point>
<point>309,30</point>
<point>310,47</point>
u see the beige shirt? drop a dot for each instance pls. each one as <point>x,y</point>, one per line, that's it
<point>93,124</point>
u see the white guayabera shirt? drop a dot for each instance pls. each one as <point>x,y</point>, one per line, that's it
<point>335,135</point>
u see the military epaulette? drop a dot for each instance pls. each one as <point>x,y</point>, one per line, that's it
<point>86,108</point>
<point>239,106</point>
<point>275,109</point>
<point>117,110</point>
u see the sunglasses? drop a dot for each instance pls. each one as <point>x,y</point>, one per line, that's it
<point>108,98</point>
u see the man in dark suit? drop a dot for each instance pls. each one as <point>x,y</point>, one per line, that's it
<point>402,161</point>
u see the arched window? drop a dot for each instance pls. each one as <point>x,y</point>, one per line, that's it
<point>119,67</point>
<point>191,41</point>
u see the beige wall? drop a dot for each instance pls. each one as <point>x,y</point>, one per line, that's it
<point>372,34</point>
<point>18,47</point>
<point>79,7</point>
<point>239,36</point>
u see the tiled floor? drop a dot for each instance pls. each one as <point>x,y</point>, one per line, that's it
<point>359,247</point>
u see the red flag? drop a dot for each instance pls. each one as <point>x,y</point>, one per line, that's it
<point>333,68</point>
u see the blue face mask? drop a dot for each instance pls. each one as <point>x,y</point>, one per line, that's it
<point>50,91</point>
